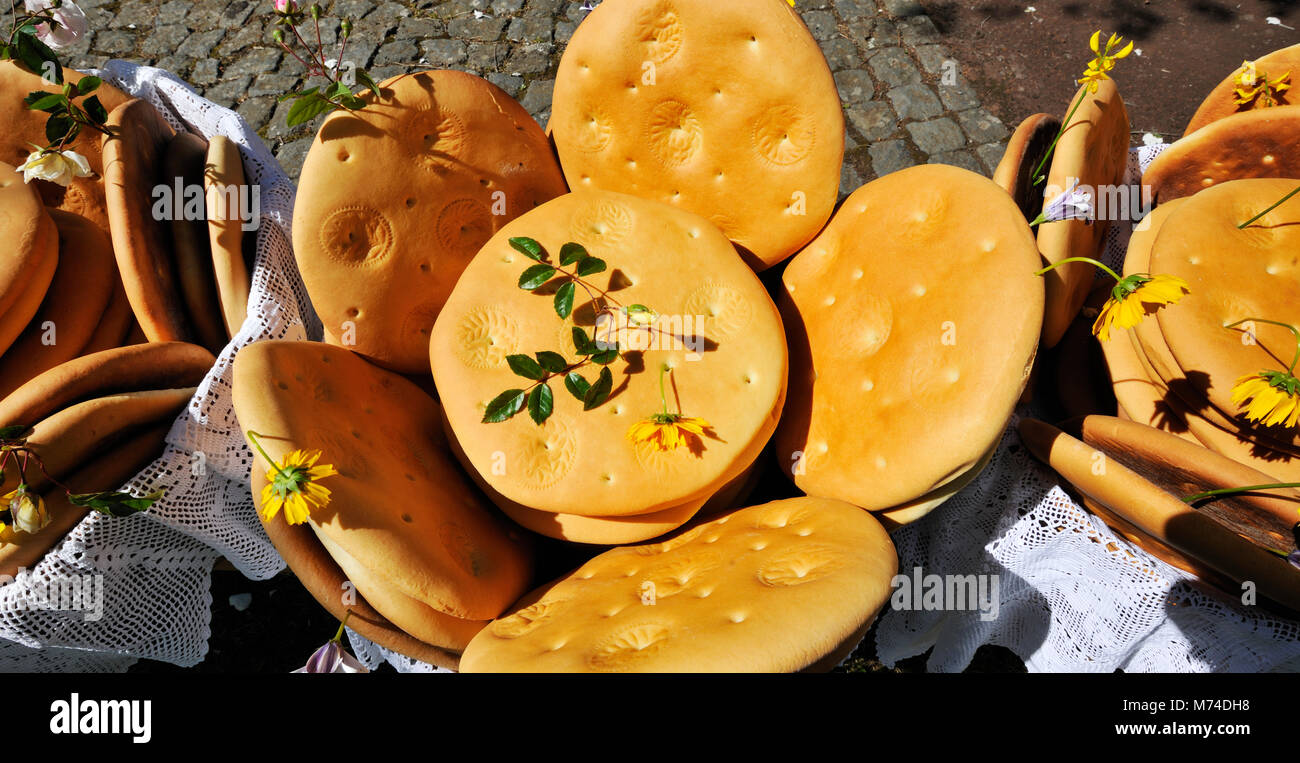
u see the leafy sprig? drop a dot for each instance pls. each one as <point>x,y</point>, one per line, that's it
<point>337,93</point>
<point>66,118</point>
<point>572,269</point>
<point>546,365</point>
<point>14,448</point>
<point>23,44</point>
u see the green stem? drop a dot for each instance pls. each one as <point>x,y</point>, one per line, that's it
<point>252,437</point>
<point>1294,332</point>
<point>1088,260</point>
<point>1050,149</point>
<point>663,398</point>
<point>1245,489</point>
<point>1275,205</point>
<point>338,636</point>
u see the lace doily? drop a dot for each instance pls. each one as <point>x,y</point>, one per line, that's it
<point>1074,596</point>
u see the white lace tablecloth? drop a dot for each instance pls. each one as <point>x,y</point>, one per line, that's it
<point>1067,602</point>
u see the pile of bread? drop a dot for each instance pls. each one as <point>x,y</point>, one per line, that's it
<point>696,149</point>
<point>113,302</point>
<point>1156,400</point>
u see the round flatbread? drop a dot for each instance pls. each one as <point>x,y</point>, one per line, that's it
<point>1146,474</point>
<point>1263,143</point>
<point>904,371</point>
<point>399,505</point>
<point>726,108</point>
<point>1093,151</point>
<point>157,365</point>
<point>142,242</point>
<point>1222,100</point>
<point>716,328</point>
<point>1025,149</point>
<point>20,127</point>
<point>33,254</point>
<point>73,306</point>
<point>446,159</point>
<point>321,575</point>
<point>1232,274</point>
<point>183,172</point>
<point>228,194</point>
<point>771,588</point>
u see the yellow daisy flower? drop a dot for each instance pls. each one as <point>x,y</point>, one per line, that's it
<point>292,484</point>
<point>1270,397</point>
<point>667,431</point>
<point>1274,398</point>
<point>1133,298</point>
<point>1100,66</point>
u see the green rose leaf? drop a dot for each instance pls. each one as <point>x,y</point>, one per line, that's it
<point>57,127</point>
<point>88,84</point>
<point>34,53</point>
<point>15,432</point>
<point>351,102</point>
<point>605,357</point>
<point>527,247</point>
<point>115,503</point>
<point>535,276</point>
<point>552,361</point>
<point>308,108</point>
<point>540,403</point>
<point>98,114</point>
<point>576,385</point>
<point>503,406</point>
<point>368,81</point>
<point>526,367</point>
<point>590,266</point>
<point>564,299</point>
<point>571,253</point>
<point>43,101</point>
<point>599,392</point>
<point>582,343</point>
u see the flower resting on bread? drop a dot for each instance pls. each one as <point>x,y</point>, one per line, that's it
<point>1270,397</point>
<point>666,431</point>
<point>1098,70</point>
<point>1104,59</point>
<point>23,510</point>
<point>1255,90</point>
<point>26,510</point>
<point>293,484</point>
<point>1133,297</point>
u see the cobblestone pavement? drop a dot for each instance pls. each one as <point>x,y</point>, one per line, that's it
<point>905,100</point>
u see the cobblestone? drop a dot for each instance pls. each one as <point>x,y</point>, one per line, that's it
<point>915,101</point>
<point>937,135</point>
<point>904,98</point>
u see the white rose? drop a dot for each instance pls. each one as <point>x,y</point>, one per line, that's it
<point>28,510</point>
<point>71,19</point>
<point>60,167</point>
